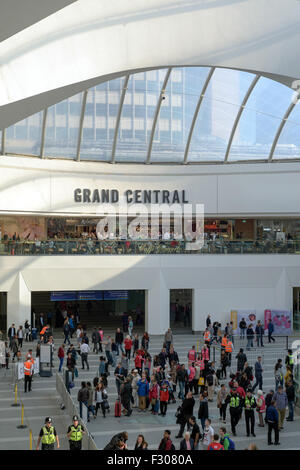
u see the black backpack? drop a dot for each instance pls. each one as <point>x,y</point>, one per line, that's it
<point>210,380</point>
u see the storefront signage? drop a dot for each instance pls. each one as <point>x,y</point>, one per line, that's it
<point>136,196</point>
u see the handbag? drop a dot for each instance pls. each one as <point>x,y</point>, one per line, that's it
<point>201,381</point>
<point>106,404</point>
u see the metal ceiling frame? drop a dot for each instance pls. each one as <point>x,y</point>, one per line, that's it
<point>280,129</point>
<point>158,106</point>
<point>238,116</point>
<point>155,120</point>
<point>196,112</point>
<point>122,99</point>
<point>83,106</point>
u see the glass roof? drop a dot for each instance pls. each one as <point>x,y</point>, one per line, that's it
<point>168,115</point>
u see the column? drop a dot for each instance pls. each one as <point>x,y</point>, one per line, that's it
<point>18,302</point>
<point>157,308</point>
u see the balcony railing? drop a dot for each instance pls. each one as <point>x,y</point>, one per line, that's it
<point>143,247</point>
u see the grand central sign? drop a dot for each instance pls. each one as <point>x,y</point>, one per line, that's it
<point>136,196</point>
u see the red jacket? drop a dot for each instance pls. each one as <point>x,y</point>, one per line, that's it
<point>128,343</point>
<point>138,361</point>
<point>241,392</point>
<point>164,395</point>
<point>61,352</point>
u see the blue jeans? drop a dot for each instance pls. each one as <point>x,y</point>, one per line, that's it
<point>80,407</point>
<point>291,410</point>
<point>181,390</point>
<point>61,361</point>
<point>91,409</point>
<point>249,343</point>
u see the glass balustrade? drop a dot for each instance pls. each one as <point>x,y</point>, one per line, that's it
<point>144,247</point>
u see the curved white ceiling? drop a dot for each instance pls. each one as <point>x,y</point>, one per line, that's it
<point>89,39</point>
<point>168,115</point>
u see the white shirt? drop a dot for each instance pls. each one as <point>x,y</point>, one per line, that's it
<point>84,348</point>
<point>208,435</point>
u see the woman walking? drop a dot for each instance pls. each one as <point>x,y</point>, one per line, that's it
<point>100,398</point>
<point>221,402</point>
<point>261,407</point>
<point>20,334</point>
<point>278,374</point>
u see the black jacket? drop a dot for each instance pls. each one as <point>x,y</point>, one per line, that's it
<point>203,410</point>
<point>119,337</point>
<point>188,406</point>
<point>290,392</point>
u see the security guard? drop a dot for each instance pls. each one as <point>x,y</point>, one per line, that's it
<point>48,436</point>
<point>228,350</point>
<point>249,407</point>
<point>75,434</point>
<point>234,402</point>
<point>27,375</point>
<point>289,360</point>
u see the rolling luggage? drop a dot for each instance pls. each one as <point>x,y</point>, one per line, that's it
<point>118,408</point>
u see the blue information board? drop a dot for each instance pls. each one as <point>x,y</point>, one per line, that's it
<point>90,295</point>
<point>115,294</point>
<point>63,295</point>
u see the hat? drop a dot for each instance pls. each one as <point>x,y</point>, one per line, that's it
<point>259,392</point>
<point>75,418</point>
<point>48,420</point>
<point>135,371</point>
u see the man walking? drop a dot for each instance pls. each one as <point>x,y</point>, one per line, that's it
<point>272,419</point>
<point>249,407</point>
<point>258,374</point>
<point>84,350</point>
<point>235,409</point>
<point>168,339</point>
<point>270,331</point>
<point>281,402</point>
<point>259,331</point>
<point>48,436</point>
<point>75,434</point>
<point>82,397</point>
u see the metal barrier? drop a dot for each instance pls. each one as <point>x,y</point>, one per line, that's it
<point>24,421</point>
<point>88,442</point>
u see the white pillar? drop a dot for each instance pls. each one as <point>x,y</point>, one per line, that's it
<point>283,293</point>
<point>157,306</point>
<point>18,302</point>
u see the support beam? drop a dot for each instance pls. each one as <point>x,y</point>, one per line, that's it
<point>122,98</point>
<point>45,113</point>
<point>238,117</point>
<point>188,142</point>
<point>160,99</point>
<point>280,129</point>
<point>83,105</point>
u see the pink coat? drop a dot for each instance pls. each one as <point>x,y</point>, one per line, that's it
<point>192,373</point>
<point>205,354</point>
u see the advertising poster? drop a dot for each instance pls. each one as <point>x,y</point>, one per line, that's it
<point>281,319</point>
<point>36,368</point>
<point>250,316</point>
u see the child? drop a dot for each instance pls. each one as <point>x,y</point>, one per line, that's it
<point>164,398</point>
<point>138,362</point>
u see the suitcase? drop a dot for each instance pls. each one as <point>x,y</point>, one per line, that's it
<point>118,408</point>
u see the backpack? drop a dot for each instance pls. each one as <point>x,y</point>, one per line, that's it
<point>231,444</point>
<point>210,380</point>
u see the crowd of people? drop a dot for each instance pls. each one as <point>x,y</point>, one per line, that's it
<point>147,383</point>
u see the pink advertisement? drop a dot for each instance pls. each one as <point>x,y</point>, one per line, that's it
<point>281,319</point>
